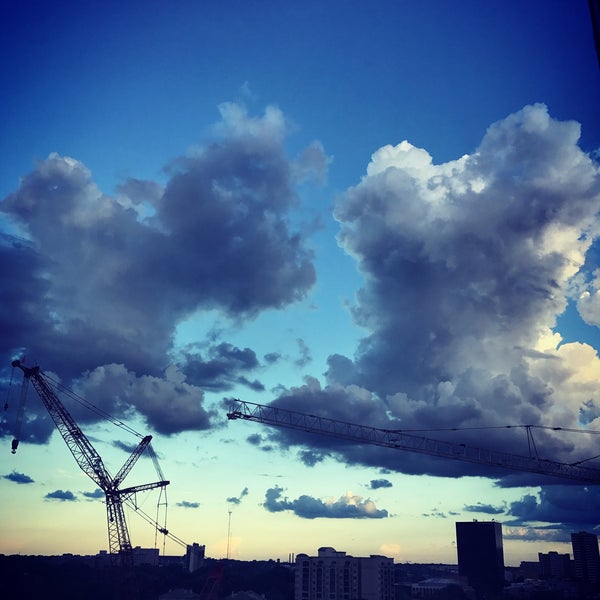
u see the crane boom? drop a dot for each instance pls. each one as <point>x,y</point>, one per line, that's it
<point>85,454</point>
<point>390,438</point>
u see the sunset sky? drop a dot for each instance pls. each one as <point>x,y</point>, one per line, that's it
<point>381,212</point>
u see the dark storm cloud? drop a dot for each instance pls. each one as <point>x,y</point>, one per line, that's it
<point>575,507</point>
<point>348,506</point>
<point>272,357</point>
<point>376,484</point>
<point>261,442</point>
<point>63,496</point>
<point>186,504</point>
<point>466,266</point>
<point>18,477</point>
<point>97,494</point>
<point>311,457</point>
<point>487,509</point>
<point>99,283</point>
<point>220,367</point>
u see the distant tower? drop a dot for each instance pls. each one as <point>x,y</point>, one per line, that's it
<point>586,556</point>
<point>228,532</point>
<point>481,556</point>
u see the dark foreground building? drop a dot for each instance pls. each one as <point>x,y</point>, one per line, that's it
<point>586,556</point>
<point>481,557</point>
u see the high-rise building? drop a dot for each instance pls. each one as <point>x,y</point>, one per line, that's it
<point>194,557</point>
<point>481,556</point>
<point>586,556</point>
<point>334,575</point>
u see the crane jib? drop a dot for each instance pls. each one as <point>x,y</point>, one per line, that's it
<point>398,440</point>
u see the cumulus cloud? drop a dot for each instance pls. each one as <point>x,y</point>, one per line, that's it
<point>99,283</point>
<point>220,367</point>
<point>238,499</point>
<point>63,496</point>
<point>18,477</point>
<point>255,439</point>
<point>376,484</point>
<point>186,504</point>
<point>311,457</point>
<point>466,266</point>
<point>168,404</point>
<point>348,506</point>
<point>97,494</point>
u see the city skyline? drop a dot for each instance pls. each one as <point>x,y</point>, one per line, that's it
<point>384,214</point>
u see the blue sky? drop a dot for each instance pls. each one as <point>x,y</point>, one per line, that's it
<point>382,212</point>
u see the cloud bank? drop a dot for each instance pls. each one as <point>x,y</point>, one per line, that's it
<point>100,283</point>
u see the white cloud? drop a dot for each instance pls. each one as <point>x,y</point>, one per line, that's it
<point>467,266</point>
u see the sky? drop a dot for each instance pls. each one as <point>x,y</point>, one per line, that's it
<point>384,213</point>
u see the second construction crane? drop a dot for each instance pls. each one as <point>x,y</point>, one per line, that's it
<point>399,440</point>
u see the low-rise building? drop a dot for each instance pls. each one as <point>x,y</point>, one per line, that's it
<point>334,575</point>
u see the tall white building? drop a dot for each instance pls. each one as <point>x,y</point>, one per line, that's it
<point>333,575</point>
<point>194,557</point>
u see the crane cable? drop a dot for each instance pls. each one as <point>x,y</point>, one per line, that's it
<point>484,427</point>
<point>154,523</point>
<point>92,407</point>
<point>8,390</point>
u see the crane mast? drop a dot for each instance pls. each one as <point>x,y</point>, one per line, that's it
<point>91,463</point>
<point>398,440</point>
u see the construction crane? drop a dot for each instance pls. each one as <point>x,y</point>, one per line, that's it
<point>399,440</point>
<point>91,464</point>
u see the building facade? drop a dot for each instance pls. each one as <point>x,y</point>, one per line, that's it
<point>586,557</point>
<point>554,565</point>
<point>481,556</point>
<point>334,575</point>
